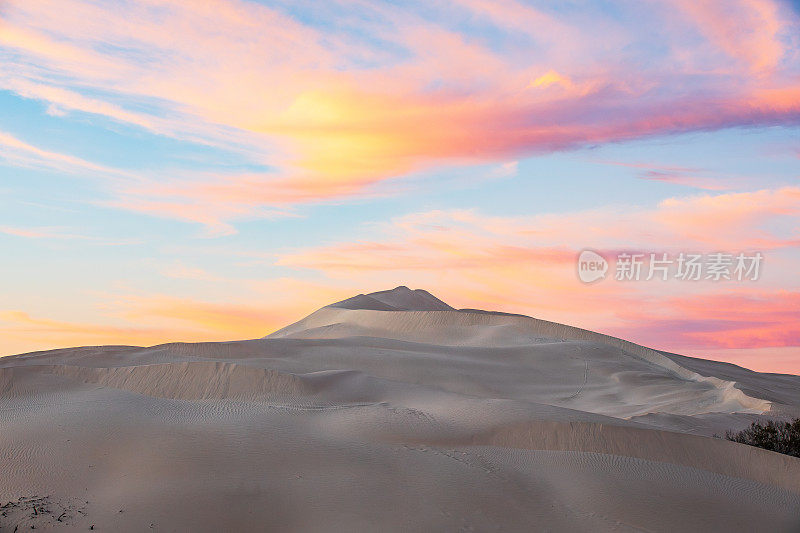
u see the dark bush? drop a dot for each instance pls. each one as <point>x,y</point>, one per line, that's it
<point>781,437</point>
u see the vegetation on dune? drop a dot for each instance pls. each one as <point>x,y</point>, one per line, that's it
<point>781,437</point>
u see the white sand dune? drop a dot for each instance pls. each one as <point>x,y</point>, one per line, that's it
<point>391,412</point>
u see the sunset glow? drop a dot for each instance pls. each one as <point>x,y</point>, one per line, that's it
<point>173,170</point>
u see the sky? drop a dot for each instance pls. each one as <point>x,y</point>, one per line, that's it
<point>176,170</point>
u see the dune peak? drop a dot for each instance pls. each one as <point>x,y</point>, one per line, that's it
<point>400,298</point>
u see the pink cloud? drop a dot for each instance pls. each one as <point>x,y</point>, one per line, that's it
<point>35,233</point>
<point>746,30</point>
<point>336,116</point>
<point>527,265</point>
<point>731,320</point>
<point>678,178</point>
<point>757,220</point>
<point>697,178</point>
<point>781,360</point>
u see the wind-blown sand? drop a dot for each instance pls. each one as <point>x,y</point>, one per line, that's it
<point>391,412</point>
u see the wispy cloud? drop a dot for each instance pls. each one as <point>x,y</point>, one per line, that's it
<point>697,178</point>
<point>336,113</point>
<point>527,264</point>
<point>63,234</point>
<point>21,153</point>
<point>754,220</point>
<point>684,178</point>
<point>37,233</point>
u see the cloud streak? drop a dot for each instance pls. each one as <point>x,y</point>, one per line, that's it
<point>757,220</point>
<point>21,153</point>
<point>337,112</point>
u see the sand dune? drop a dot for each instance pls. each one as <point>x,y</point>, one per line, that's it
<point>391,412</point>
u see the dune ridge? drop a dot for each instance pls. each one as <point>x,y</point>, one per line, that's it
<point>470,328</point>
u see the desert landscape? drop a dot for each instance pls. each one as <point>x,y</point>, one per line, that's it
<point>391,411</point>
<point>400,266</point>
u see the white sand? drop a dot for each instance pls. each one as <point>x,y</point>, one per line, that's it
<point>391,412</point>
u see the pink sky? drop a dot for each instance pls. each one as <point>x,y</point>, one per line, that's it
<point>176,170</point>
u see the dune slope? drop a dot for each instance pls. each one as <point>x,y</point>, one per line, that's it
<point>393,412</point>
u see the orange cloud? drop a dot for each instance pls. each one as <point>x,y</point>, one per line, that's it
<point>527,265</point>
<point>22,333</point>
<point>148,319</point>
<point>466,239</point>
<point>335,114</point>
<point>233,321</point>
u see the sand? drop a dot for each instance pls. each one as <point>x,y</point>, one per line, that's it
<point>391,412</point>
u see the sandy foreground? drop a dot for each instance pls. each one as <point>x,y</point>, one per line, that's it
<point>391,412</point>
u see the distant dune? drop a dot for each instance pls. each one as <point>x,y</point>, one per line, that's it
<point>391,411</point>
